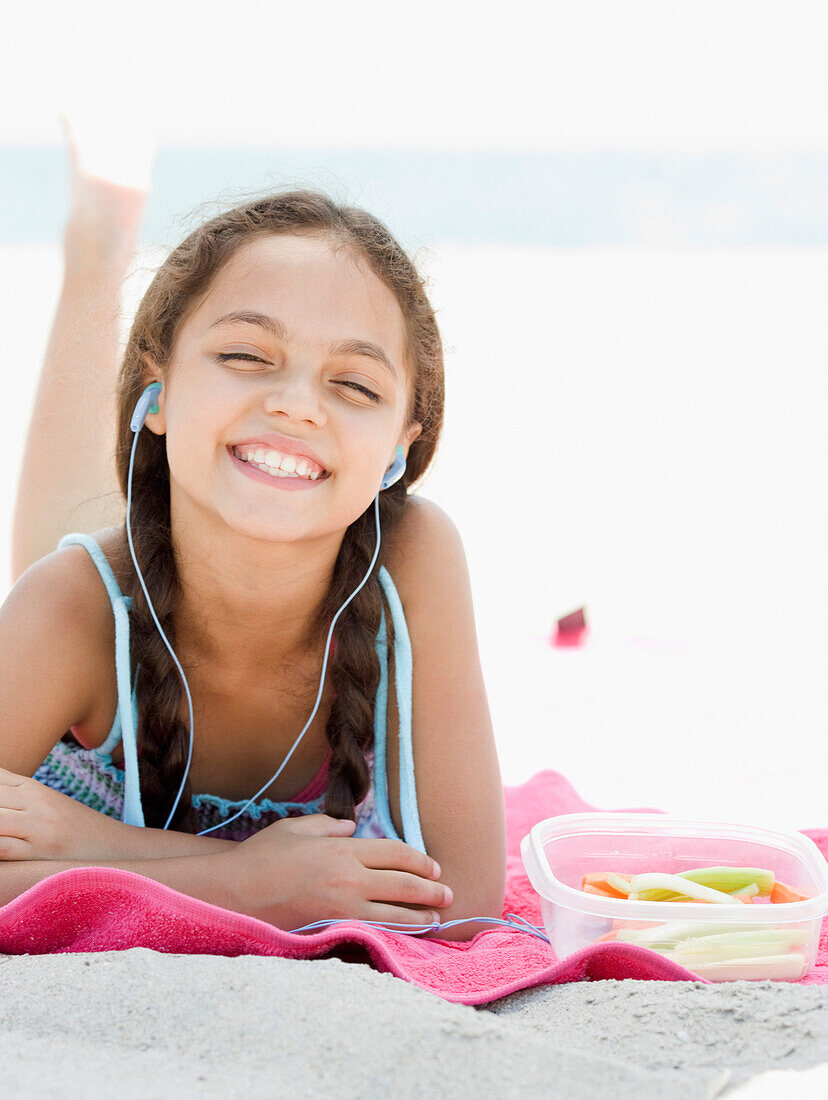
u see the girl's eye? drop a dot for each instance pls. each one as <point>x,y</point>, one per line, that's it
<point>363,389</point>
<point>227,356</point>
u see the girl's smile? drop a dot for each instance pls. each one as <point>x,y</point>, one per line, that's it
<point>278,478</point>
<point>285,448</point>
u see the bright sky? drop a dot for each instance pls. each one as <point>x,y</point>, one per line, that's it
<point>533,74</point>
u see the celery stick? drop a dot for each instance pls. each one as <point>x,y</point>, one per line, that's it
<point>781,937</point>
<point>678,884</point>
<point>618,883</point>
<point>722,947</point>
<point>676,930</point>
<point>669,895</point>
<point>788,967</point>
<point>732,879</point>
<point>654,895</point>
<point>721,951</point>
<point>750,943</point>
<point>747,891</point>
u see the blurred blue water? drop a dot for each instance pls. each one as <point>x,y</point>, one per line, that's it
<point>520,198</point>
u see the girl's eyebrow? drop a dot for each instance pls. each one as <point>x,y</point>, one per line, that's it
<point>276,328</point>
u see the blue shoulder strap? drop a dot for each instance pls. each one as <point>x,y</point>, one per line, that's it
<point>403,682</point>
<point>126,718</point>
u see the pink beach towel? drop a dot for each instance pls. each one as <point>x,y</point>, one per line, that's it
<point>103,909</point>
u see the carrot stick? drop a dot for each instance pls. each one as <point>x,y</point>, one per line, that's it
<point>600,880</point>
<point>588,889</point>
<point>781,892</point>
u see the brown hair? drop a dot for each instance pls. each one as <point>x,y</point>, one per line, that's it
<point>184,278</point>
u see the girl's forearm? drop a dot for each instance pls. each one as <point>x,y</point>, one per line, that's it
<point>137,842</point>
<point>201,876</point>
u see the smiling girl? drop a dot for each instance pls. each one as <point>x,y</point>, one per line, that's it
<point>297,354</point>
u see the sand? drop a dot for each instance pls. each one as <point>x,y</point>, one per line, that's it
<point>142,1024</point>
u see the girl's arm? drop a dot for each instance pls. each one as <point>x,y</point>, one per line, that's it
<point>459,788</point>
<point>200,876</point>
<point>57,670</point>
<point>288,874</point>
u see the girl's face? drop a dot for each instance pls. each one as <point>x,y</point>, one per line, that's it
<point>294,346</point>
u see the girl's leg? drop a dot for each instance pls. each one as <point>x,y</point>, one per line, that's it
<point>68,480</point>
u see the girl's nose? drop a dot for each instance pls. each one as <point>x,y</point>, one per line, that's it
<point>295,396</point>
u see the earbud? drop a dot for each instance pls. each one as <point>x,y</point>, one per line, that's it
<point>395,471</point>
<point>142,408</point>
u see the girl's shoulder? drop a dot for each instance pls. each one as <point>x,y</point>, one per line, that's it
<point>76,584</point>
<point>68,583</point>
<point>112,542</point>
<point>57,645</point>
<point>424,539</point>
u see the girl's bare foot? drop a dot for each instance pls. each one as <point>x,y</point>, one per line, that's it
<point>102,231</point>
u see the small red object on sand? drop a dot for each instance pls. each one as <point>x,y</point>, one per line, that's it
<point>572,629</point>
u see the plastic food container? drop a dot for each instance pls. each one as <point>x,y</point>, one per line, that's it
<point>720,942</point>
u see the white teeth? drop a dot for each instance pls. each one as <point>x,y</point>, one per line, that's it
<point>277,465</point>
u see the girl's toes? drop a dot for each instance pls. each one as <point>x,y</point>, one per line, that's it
<point>110,173</point>
<point>122,154</point>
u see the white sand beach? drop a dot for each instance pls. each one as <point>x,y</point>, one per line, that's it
<point>146,1026</point>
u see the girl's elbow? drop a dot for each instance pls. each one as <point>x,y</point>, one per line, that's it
<point>463,910</point>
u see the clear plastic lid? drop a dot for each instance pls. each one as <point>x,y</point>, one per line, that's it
<point>557,853</point>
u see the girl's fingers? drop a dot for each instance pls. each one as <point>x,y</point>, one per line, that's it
<point>11,779</point>
<point>316,825</point>
<point>11,822</point>
<point>12,847</point>
<point>398,886</point>
<point>395,855</point>
<point>397,914</point>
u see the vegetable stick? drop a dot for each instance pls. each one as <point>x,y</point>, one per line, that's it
<point>782,893</point>
<point>678,930</point>
<point>600,882</point>
<point>732,879</point>
<point>779,967</point>
<point>678,885</point>
<point>621,883</point>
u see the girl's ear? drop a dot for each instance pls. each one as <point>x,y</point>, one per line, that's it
<point>156,422</point>
<point>411,433</point>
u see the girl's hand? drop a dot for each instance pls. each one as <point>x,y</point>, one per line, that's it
<point>303,869</point>
<point>37,822</point>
